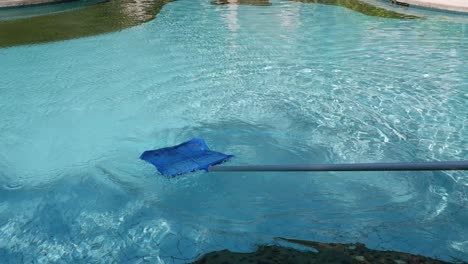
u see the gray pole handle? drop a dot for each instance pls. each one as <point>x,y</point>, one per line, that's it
<point>397,166</point>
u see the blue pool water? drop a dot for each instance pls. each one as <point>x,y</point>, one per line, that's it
<point>283,84</point>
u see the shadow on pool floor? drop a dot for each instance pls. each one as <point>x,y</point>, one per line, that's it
<point>319,253</point>
<point>107,16</point>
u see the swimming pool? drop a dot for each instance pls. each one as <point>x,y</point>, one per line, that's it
<point>286,83</point>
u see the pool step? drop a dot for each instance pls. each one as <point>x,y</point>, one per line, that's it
<point>450,5</point>
<point>17,3</point>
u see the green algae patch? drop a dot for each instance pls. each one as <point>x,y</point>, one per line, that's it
<point>319,253</point>
<point>101,18</point>
<point>361,7</point>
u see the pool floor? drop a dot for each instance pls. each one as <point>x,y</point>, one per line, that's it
<point>288,83</point>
